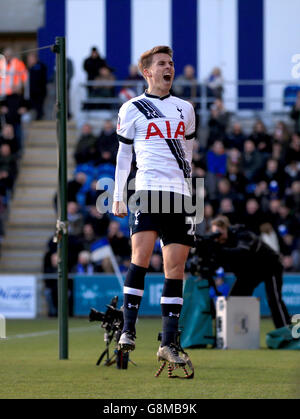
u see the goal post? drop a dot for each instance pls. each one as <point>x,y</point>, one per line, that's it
<point>62,221</point>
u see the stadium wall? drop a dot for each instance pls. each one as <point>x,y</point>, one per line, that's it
<point>97,290</point>
<point>247,39</point>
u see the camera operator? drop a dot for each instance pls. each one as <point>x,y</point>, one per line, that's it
<point>252,261</point>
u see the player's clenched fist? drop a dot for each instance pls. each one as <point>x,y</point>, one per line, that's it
<point>119,209</point>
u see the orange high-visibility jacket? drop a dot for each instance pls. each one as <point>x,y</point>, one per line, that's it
<point>16,76</point>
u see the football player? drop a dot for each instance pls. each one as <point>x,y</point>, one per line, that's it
<point>160,128</point>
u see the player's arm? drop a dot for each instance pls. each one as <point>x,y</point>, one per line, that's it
<point>124,158</point>
<point>190,134</point>
<point>126,133</point>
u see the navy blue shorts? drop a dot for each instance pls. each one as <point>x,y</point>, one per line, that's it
<point>172,227</point>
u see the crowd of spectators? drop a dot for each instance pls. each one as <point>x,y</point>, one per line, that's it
<point>98,70</point>
<point>95,157</point>
<point>253,178</point>
<point>102,93</point>
<point>23,89</point>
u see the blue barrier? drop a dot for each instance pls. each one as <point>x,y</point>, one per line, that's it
<point>290,294</point>
<point>97,290</point>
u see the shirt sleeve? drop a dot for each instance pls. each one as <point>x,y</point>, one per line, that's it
<point>124,158</point>
<point>126,124</point>
<point>190,134</point>
<point>191,124</point>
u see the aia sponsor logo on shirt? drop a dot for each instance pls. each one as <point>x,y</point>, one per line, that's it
<point>154,131</point>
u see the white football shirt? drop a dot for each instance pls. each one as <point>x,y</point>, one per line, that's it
<point>161,130</point>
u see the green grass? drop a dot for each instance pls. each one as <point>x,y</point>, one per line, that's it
<point>30,368</point>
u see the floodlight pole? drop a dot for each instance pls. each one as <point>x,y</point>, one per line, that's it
<point>62,222</point>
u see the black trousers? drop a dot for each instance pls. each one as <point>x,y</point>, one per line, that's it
<point>245,285</point>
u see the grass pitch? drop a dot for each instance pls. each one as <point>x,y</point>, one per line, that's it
<point>30,368</point>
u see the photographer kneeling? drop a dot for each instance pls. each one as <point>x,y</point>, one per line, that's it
<point>252,261</point>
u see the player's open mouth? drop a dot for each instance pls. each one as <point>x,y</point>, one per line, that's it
<point>167,77</point>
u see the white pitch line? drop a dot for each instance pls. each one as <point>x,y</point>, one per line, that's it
<point>46,333</point>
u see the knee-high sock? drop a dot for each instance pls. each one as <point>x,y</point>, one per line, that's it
<point>133,293</point>
<point>171,304</point>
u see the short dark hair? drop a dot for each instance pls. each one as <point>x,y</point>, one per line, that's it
<point>146,58</point>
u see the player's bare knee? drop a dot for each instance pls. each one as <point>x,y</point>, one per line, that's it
<point>174,271</point>
<point>140,259</point>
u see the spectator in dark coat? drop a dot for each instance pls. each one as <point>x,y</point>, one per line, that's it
<point>292,173</point>
<point>93,63</point>
<point>293,150</point>
<point>8,137</point>
<point>227,208</point>
<point>236,178</point>
<point>252,162</point>
<point>218,122</point>
<point>278,153</point>
<point>292,198</point>
<point>98,220</point>
<point>295,113</point>
<point>107,144</point>
<point>37,84</point>
<point>287,219</point>
<point>119,243</point>
<point>88,237</point>
<point>235,138</point>
<point>8,168</point>
<point>225,190</point>
<point>86,146</point>
<point>253,216</point>
<point>75,185</point>
<point>271,173</point>
<point>12,107</point>
<point>260,137</point>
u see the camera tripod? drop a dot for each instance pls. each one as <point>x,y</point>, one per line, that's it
<point>112,321</point>
<point>118,356</point>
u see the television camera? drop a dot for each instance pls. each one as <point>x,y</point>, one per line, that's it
<point>112,321</point>
<point>203,261</point>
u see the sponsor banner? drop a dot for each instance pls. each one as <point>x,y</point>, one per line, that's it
<point>290,294</point>
<point>97,291</point>
<point>18,296</point>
